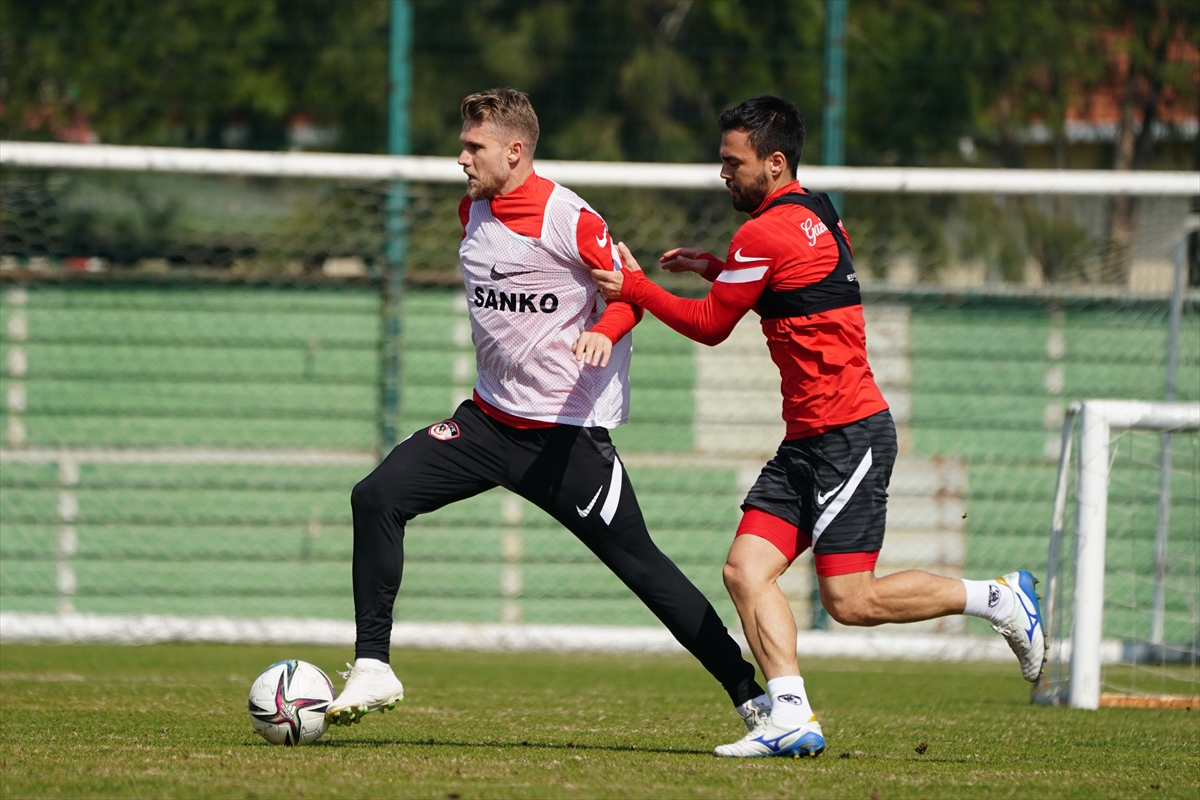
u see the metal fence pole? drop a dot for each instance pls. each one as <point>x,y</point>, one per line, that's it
<point>1159,608</point>
<point>832,155</point>
<point>399,97</point>
<point>833,142</point>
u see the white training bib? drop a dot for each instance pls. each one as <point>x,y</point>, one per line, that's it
<point>529,299</point>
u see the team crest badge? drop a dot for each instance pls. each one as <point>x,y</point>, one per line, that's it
<point>444,430</point>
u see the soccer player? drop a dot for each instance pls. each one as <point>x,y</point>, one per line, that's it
<point>826,487</point>
<point>553,366</point>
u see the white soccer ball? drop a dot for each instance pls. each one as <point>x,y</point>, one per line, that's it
<point>288,702</point>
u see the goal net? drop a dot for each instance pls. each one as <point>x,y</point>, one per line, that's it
<point>1121,600</point>
<point>201,352</point>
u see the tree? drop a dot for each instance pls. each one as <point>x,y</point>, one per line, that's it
<point>640,80</point>
<point>1145,33</point>
<point>183,72</point>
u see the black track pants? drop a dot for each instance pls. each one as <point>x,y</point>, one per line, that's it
<point>574,475</point>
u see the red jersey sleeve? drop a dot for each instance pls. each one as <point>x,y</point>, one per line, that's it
<point>736,288</point>
<point>597,251</point>
<point>715,267</point>
<point>464,213</point>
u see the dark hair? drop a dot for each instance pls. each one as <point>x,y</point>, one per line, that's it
<point>506,108</point>
<point>773,124</point>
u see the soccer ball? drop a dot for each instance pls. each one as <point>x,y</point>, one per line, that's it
<point>288,702</point>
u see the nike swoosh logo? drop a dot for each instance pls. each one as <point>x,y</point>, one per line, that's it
<point>743,259</point>
<point>583,512</point>
<point>602,242</point>
<point>499,276</point>
<point>823,498</point>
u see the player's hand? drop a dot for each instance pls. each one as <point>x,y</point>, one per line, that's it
<point>684,259</point>
<point>609,282</point>
<point>593,349</point>
<point>627,258</point>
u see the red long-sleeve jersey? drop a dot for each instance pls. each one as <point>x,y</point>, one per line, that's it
<point>822,358</point>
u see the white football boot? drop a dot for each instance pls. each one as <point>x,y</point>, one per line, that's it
<point>366,690</point>
<point>1023,628</point>
<point>769,740</point>
<point>755,712</point>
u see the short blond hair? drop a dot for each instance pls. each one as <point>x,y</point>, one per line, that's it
<point>505,108</point>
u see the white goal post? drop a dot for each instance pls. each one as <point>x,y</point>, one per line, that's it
<point>433,169</point>
<point>1095,421</point>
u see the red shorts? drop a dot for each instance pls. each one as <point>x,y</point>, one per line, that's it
<point>791,541</point>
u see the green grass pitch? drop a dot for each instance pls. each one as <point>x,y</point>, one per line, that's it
<point>170,721</point>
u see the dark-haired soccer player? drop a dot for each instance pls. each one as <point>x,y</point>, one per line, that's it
<point>553,366</point>
<point>826,487</point>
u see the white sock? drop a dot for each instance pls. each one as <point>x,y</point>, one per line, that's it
<point>990,600</point>
<point>372,663</point>
<point>748,706</point>
<point>789,702</point>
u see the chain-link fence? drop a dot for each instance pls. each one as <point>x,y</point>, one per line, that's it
<point>194,373</point>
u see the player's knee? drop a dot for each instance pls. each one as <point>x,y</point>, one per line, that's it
<point>844,610</point>
<point>733,578</point>
<point>740,580</point>
<point>369,496</point>
<point>849,610</point>
<point>635,569</point>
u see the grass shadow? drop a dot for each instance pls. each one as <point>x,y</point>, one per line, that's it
<point>431,742</point>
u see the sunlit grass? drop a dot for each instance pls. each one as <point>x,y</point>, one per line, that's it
<point>170,721</point>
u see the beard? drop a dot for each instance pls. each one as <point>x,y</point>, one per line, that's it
<point>485,187</point>
<point>749,198</point>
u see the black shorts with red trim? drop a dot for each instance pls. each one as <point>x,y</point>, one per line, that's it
<point>832,488</point>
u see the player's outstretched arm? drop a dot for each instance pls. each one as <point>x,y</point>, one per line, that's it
<point>708,321</point>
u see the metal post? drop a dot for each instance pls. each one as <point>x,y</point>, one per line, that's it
<point>1091,525</point>
<point>1047,689</point>
<point>818,616</point>
<point>399,98</point>
<point>1158,610</point>
<point>400,77</point>
<point>832,155</point>
<point>833,138</point>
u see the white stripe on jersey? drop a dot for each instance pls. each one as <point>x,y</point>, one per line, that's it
<point>747,275</point>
